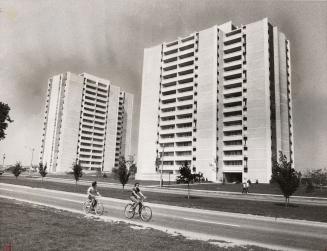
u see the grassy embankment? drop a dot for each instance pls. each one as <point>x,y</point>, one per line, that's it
<point>27,227</point>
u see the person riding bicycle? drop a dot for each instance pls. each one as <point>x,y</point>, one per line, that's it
<point>92,192</point>
<point>136,196</point>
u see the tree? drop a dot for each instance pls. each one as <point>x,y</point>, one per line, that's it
<point>285,176</point>
<point>17,169</point>
<point>122,173</point>
<point>43,170</point>
<point>77,171</point>
<point>318,177</point>
<point>4,119</point>
<point>185,176</point>
<point>131,165</point>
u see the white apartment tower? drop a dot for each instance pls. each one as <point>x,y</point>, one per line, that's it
<point>219,99</point>
<point>87,120</point>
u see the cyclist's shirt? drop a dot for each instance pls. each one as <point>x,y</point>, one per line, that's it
<point>135,190</point>
<point>92,191</point>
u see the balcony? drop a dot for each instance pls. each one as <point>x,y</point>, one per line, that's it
<point>232,147</point>
<point>236,38</point>
<point>185,94</point>
<point>183,157</point>
<point>168,105</point>
<point>237,34</point>
<point>227,66</point>
<point>169,80</point>
<point>183,148</point>
<point>168,97</point>
<point>167,114</point>
<point>232,73</point>
<point>182,61</point>
<point>167,122</point>
<point>232,118</point>
<point>168,72</point>
<point>233,137</point>
<point>169,50</point>
<point>170,56</point>
<point>186,120</point>
<point>166,140</point>
<point>183,129</point>
<point>232,82</point>
<point>233,157</point>
<point>187,43</point>
<point>233,108</point>
<point>181,87</point>
<point>232,54</point>
<point>233,46</point>
<point>186,102</point>
<point>169,64</point>
<point>169,88</point>
<point>232,90</point>
<point>167,131</point>
<point>232,100</point>
<point>171,45</point>
<point>186,76</point>
<point>186,53</point>
<point>184,138</point>
<point>185,111</point>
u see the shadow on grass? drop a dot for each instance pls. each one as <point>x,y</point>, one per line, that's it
<point>289,205</point>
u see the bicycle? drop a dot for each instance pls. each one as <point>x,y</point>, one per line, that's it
<point>145,212</point>
<point>98,209</point>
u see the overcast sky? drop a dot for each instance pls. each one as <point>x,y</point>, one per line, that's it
<point>39,39</point>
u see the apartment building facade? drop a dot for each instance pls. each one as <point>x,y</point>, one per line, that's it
<point>219,99</point>
<point>87,120</point>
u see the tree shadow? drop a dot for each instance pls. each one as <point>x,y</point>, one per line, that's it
<point>283,205</point>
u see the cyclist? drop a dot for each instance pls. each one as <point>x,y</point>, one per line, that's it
<point>136,196</point>
<point>92,192</point>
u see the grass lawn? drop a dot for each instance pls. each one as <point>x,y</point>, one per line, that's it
<point>28,227</point>
<point>304,212</point>
<point>255,188</point>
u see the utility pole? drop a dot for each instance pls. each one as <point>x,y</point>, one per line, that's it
<point>32,149</point>
<point>162,155</point>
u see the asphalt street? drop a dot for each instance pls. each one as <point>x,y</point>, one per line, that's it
<point>238,229</point>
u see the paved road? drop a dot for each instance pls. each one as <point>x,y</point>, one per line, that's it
<point>200,224</point>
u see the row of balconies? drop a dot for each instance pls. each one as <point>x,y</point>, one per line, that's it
<point>178,70</point>
<point>177,78</point>
<point>177,44</point>
<point>178,61</point>
<point>177,95</point>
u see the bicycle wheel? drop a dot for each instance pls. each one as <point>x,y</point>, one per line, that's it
<point>99,209</point>
<point>129,211</point>
<point>86,207</point>
<point>146,213</point>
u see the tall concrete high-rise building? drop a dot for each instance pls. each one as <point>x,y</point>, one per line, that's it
<point>87,120</point>
<point>219,99</point>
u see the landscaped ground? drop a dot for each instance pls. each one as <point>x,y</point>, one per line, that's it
<point>27,227</point>
<point>254,188</point>
<point>304,212</point>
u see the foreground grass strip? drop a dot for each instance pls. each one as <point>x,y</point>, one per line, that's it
<point>277,210</point>
<point>28,227</point>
